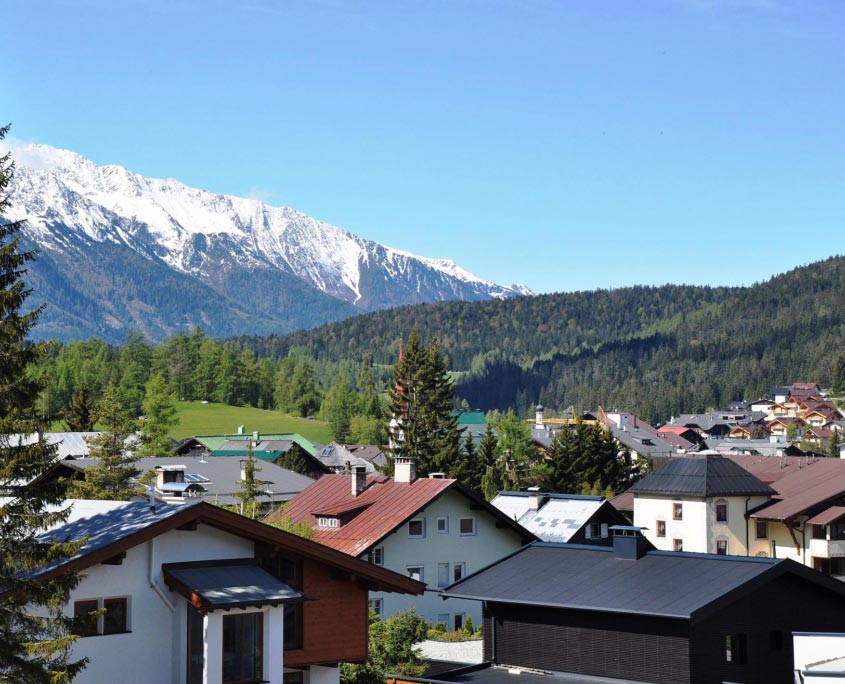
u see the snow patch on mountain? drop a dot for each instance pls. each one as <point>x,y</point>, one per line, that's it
<point>59,191</point>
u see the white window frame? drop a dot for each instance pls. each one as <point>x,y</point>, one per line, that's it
<point>377,605</point>
<point>444,528</point>
<point>474,527</point>
<point>328,522</point>
<point>421,568</point>
<point>377,556</point>
<point>422,527</point>
<point>443,619</point>
<point>459,569</point>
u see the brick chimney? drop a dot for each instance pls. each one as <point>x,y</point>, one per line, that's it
<point>405,470</point>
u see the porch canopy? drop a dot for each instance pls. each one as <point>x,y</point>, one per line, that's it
<point>225,584</point>
<point>827,516</point>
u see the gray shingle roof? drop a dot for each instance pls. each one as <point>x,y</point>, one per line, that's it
<point>711,476</point>
<point>663,583</point>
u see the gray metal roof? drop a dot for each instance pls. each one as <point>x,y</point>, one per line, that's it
<point>228,584</point>
<point>710,476</point>
<point>663,583</point>
<point>502,674</point>
<point>336,457</point>
<point>220,477</point>
<point>642,441</point>
<point>104,524</point>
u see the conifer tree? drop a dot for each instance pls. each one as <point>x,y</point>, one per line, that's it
<point>33,649</point>
<point>422,425</point>
<point>111,477</point>
<point>78,415</point>
<point>250,490</point>
<point>159,417</point>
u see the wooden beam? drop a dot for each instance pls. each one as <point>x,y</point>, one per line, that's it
<point>117,559</point>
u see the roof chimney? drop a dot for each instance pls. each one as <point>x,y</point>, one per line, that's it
<point>256,437</point>
<point>538,417</point>
<point>535,499</point>
<point>241,429</point>
<point>405,469</point>
<point>629,542</point>
<point>359,479</point>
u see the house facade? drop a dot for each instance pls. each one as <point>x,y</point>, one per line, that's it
<point>194,594</point>
<point>433,530</point>
<point>699,505</point>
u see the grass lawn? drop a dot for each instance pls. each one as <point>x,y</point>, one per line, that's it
<point>196,418</point>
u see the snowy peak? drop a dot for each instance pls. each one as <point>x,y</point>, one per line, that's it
<point>72,204</point>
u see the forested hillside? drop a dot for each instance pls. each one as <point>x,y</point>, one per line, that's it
<point>657,351</point>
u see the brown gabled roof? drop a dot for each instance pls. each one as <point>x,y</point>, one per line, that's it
<point>827,516</point>
<point>384,505</point>
<point>802,483</point>
<point>114,535</point>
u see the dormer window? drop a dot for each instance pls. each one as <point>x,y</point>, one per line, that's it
<point>328,521</point>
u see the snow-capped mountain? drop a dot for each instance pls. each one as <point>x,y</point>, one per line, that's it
<point>121,251</point>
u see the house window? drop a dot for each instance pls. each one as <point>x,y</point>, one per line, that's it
<point>377,556</point>
<point>721,511</point>
<point>416,528</point>
<point>459,570</point>
<point>327,521</point>
<point>460,618</point>
<point>819,532</point>
<point>443,619</point>
<point>677,544</point>
<point>93,617</point>
<point>85,618</point>
<point>722,547</point>
<point>442,575</point>
<point>377,606</point>
<point>443,525</point>
<point>762,529</point>
<point>416,572</point>
<point>467,526</point>
<point>115,618</point>
<point>661,528</point>
<point>677,511</point>
<point>243,648</point>
<point>736,648</point>
<point>596,531</point>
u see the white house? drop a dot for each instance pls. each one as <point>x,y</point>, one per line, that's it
<point>432,529</point>
<point>698,505</point>
<point>195,594</point>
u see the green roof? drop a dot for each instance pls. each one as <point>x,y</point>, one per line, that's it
<point>470,417</point>
<point>214,442</point>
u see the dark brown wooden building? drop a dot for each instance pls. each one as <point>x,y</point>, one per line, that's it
<point>626,613</point>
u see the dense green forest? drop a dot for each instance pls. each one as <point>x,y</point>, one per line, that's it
<point>656,351</point>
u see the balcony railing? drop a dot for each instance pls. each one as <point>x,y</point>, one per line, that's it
<point>823,548</point>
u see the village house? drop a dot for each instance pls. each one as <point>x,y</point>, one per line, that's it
<point>565,613</point>
<point>432,529</point>
<point>195,594</point>
<point>698,505</point>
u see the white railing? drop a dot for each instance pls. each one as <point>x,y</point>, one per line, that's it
<point>823,548</point>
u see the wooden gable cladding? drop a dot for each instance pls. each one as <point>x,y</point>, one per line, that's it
<point>335,625</point>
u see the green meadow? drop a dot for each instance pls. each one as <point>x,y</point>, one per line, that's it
<point>197,418</point>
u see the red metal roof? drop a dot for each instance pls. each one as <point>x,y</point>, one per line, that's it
<point>388,505</point>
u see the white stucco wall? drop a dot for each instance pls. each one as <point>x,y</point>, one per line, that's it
<point>699,528</point>
<point>488,545</point>
<point>154,650</point>
<point>820,652</point>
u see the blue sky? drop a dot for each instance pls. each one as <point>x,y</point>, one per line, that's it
<point>564,145</point>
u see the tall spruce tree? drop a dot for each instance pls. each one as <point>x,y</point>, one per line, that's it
<point>33,649</point>
<point>78,415</point>
<point>159,417</point>
<point>112,476</point>
<point>422,425</point>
